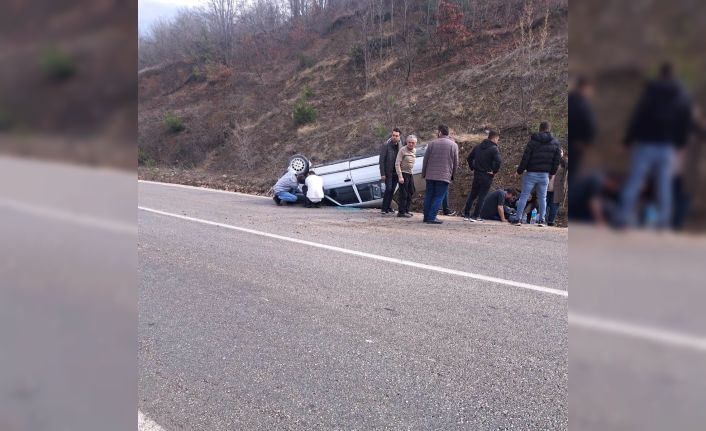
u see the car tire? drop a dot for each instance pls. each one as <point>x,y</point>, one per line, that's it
<point>299,163</point>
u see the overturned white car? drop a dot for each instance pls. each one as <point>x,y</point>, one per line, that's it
<point>355,182</point>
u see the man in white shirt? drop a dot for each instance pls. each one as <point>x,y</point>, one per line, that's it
<point>313,189</point>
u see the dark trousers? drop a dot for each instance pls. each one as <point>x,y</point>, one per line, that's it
<point>407,190</point>
<point>433,196</point>
<point>390,184</point>
<point>479,189</point>
<point>552,208</point>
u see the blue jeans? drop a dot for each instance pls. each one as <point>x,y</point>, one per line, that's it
<point>529,181</point>
<point>649,158</point>
<point>434,194</point>
<point>286,197</point>
<point>553,208</point>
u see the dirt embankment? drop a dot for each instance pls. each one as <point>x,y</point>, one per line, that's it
<point>238,130</point>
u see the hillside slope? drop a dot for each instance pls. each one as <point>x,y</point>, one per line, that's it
<point>239,130</point>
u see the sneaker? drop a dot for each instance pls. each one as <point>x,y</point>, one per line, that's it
<point>435,221</point>
<point>449,212</point>
<point>391,211</point>
<point>277,200</point>
<point>406,215</point>
<point>466,217</point>
<point>383,212</point>
<point>479,220</point>
<point>518,223</point>
<point>471,219</point>
<point>541,223</point>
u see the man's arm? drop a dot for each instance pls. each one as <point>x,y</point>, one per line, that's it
<point>398,167</point>
<point>426,157</point>
<point>501,213</point>
<point>455,162</point>
<point>496,161</point>
<point>525,158</point>
<point>471,158</point>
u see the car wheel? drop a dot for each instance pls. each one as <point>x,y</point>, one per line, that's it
<point>299,164</point>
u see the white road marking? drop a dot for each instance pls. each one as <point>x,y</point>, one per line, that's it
<point>205,189</point>
<point>631,330</point>
<point>146,424</point>
<point>68,216</point>
<point>367,255</point>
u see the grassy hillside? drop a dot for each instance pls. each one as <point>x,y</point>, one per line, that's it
<point>238,130</point>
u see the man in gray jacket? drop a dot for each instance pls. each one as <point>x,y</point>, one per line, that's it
<point>439,169</point>
<point>388,154</point>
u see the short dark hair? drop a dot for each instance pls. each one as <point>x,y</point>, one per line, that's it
<point>301,178</point>
<point>492,134</point>
<point>513,191</point>
<point>544,126</point>
<point>444,129</point>
<point>666,70</point>
<point>310,173</point>
<point>397,129</point>
<point>582,82</point>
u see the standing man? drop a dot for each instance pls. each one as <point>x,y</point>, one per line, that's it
<point>540,160</point>
<point>404,163</point>
<point>388,154</point>
<point>484,161</point>
<point>660,125</point>
<point>557,189</point>
<point>439,169</point>
<point>582,126</point>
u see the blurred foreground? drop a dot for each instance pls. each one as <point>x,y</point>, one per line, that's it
<point>636,138</point>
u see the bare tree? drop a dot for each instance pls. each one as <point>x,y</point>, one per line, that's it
<point>222,14</point>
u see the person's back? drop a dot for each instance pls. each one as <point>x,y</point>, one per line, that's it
<point>662,116</point>
<point>438,170</point>
<point>314,188</point>
<point>440,160</point>
<point>489,210</point>
<point>286,182</point>
<point>542,154</point>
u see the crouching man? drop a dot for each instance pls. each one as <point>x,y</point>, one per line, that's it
<point>313,190</point>
<point>495,208</point>
<point>286,187</point>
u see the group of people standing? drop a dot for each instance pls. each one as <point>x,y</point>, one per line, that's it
<point>541,160</point>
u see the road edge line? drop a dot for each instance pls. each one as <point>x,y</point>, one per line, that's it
<point>440,269</point>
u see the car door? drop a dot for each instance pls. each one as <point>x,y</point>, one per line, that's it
<point>338,184</point>
<point>365,173</point>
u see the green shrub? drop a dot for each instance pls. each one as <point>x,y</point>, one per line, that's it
<point>307,93</point>
<point>198,74</point>
<point>380,131</point>
<point>357,55</point>
<point>305,62</point>
<point>172,123</point>
<point>303,113</point>
<point>57,64</point>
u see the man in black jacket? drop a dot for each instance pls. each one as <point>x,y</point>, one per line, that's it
<point>660,125</point>
<point>484,160</point>
<point>540,160</point>
<point>388,154</point>
<point>582,127</point>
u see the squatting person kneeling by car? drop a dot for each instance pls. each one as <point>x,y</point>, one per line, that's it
<point>495,208</point>
<point>313,190</point>
<point>286,187</point>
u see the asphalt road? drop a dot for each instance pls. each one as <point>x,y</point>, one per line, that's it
<point>67,297</point>
<point>243,331</point>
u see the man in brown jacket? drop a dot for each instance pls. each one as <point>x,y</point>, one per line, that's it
<point>439,169</point>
